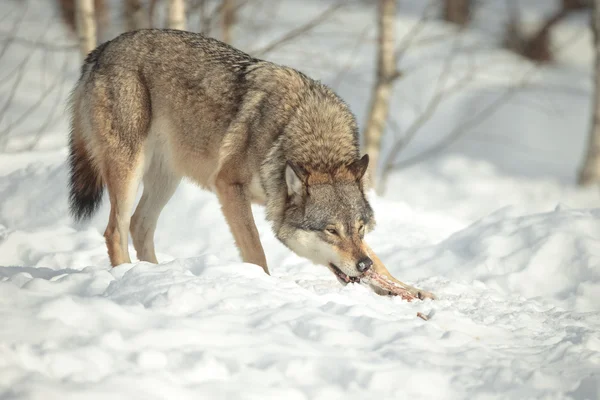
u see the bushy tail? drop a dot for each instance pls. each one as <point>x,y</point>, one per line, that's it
<point>85,185</point>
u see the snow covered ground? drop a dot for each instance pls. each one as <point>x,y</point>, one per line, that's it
<point>494,226</point>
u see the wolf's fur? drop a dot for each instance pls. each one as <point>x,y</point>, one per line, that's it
<point>157,105</point>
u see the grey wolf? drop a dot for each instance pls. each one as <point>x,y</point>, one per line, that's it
<point>155,105</point>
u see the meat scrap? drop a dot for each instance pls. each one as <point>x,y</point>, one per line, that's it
<point>422,316</point>
<point>395,287</point>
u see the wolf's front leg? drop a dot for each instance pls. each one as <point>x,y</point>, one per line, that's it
<point>235,203</point>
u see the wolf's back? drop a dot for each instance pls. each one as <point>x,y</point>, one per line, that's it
<point>128,76</point>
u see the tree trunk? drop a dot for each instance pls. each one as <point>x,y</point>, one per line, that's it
<point>151,12</point>
<point>575,4</point>
<point>457,11</point>
<point>590,172</point>
<point>136,15</point>
<point>538,47</point>
<point>205,20</point>
<point>177,14</point>
<point>228,19</point>
<point>67,12</point>
<point>86,25</point>
<point>386,73</point>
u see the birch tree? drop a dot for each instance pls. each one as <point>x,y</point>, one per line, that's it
<point>590,171</point>
<point>382,90</point>
<point>67,12</point>
<point>177,14</point>
<point>457,11</point>
<point>136,15</point>
<point>228,19</point>
<point>86,25</point>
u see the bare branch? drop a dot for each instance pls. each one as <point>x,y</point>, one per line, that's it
<point>352,57</point>
<point>387,73</point>
<point>25,114</point>
<point>407,39</point>
<point>463,127</point>
<point>13,90</point>
<point>36,44</point>
<point>294,33</point>
<point>441,93</point>
<point>468,124</point>
<point>382,91</point>
<point>50,119</point>
<point>8,101</point>
<point>11,37</point>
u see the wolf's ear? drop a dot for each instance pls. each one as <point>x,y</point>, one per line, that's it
<point>359,167</point>
<point>295,179</point>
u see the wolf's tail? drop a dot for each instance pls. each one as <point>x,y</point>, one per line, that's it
<point>85,184</point>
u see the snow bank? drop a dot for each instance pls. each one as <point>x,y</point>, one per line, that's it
<point>554,255</point>
<point>201,327</point>
<point>516,317</point>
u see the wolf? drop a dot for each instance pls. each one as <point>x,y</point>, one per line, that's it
<point>157,105</point>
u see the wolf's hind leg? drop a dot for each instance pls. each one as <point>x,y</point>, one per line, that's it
<point>235,203</point>
<point>122,182</point>
<point>119,107</point>
<point>160,182</point>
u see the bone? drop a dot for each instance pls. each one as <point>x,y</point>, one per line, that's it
<point>381,278</point>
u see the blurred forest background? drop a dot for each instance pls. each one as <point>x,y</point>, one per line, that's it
<point>511,82</point>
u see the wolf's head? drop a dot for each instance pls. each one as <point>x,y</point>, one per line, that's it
<point>327,216</point>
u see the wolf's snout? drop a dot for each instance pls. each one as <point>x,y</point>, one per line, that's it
<point>364,264</point>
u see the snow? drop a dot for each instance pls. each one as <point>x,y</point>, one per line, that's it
<point>494,226</point>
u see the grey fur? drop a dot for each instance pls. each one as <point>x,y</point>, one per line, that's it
<point>158,105</point>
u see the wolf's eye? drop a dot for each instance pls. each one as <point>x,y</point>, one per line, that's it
<point>332,231</point>
<point>361,230</point>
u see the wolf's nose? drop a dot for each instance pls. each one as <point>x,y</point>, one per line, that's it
<point>364,264</point>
